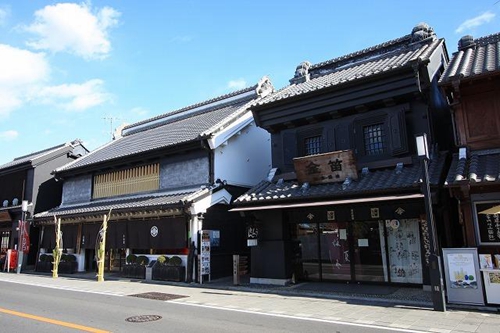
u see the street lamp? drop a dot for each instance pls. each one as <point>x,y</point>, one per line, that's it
<point>22,230</point>
<point>436,275</point>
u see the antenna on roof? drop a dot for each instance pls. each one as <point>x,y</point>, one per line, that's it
<point>111,119</point>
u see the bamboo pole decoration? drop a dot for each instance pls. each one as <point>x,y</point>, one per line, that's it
<point>57,249</point>
<point>101,251</point>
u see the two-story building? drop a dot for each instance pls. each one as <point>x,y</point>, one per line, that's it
<point>344,201</point>
<point>164,179</point>
<point>472,84</point>
<point>28,178</point>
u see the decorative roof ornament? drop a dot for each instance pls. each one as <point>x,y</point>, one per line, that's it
<point>421,32</point>
<point>301,73</point>
<point>466,42</point>
<point>264,87</point>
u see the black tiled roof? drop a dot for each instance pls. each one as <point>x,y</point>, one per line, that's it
<point>390,180</point>
<point>33,156</point>
<point>481,167</point>
<point>103,206</point>
<point>170,129</point>
<point>383,58</point>
<point>475,58</point>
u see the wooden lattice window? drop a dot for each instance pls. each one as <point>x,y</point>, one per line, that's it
<point>312,145</point>
<point>374,136</point>
<point>139,179</point>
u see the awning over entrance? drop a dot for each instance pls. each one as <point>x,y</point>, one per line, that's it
<point>329,203</point>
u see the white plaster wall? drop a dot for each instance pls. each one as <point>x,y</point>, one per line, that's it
<point>245,159</point>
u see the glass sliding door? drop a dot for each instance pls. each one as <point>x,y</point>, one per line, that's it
<point>335,263</point>
<point>308,245</point>
<point>368,263</point>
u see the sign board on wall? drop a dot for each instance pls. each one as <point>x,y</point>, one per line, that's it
<point>488,223</point>
<point>463,279</point>
<point>331,167</point>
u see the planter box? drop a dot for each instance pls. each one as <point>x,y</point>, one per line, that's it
<point>169,273</point>
<point>68,267</point>
<point>134,271</point>
<point>44,266</point>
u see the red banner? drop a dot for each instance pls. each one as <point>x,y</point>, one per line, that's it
<point>24,237</point>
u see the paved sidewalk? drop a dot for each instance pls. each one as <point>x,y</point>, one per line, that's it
<point>281,302</point>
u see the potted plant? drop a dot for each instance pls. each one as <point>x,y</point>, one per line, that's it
<point>68,264</point>
<point>44,263</point>
<point>160,268</point>
<point>136,266</point>
<point>169,269</point>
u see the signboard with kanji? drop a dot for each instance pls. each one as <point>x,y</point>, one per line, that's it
<point>330,167</point>
<point>488,225</point>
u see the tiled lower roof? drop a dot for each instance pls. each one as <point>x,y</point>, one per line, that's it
<point>390,180</point>
<point>481,167</point>
<point>103,206</point>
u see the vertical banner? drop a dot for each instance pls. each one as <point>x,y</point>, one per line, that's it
<point>24,237</point>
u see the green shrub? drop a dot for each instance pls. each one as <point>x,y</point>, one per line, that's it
<point>70,258</point>
<point>142,260</point>
<point>163,260</point>
<point>175,261</point>
<point>49,258</point>
<point>43,257</point>
<point>131,259</point>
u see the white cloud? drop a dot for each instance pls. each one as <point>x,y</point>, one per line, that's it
<point>73,97</point>
<point>73,28</point>
<point>8,135</point>
<point>19,70</point>
<point>475,22</point>
<point>4,14</point>
<point>237,84</point>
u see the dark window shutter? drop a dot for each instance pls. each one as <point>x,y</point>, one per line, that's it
<point>342,137</point>
<point>397,126</point>
<point>289,149</point>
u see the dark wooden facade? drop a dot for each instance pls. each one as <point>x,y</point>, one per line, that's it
<point>341,105</point>
<point>472,85</point>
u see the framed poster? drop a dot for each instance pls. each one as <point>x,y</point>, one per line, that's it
<point>463,279</point>
<point>487,222</point>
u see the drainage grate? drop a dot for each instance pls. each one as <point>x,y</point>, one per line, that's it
<point>143,318</point>
<point>158,296</point>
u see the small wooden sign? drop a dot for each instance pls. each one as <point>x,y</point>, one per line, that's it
<point>331,167</point>
<point>5,216</point>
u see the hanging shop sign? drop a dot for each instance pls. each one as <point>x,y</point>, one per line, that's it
<point>331,167</point>
<point>488,222</point>
<point>252,236</point>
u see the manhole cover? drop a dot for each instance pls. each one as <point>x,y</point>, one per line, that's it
<point>143,318</point>
<point>158,296</point>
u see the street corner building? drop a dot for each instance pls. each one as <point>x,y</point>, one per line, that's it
<point>345,199</point>
<point>163,182</point>
<point>28,179</point>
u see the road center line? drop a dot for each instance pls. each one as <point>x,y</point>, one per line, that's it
<point>53,321</point>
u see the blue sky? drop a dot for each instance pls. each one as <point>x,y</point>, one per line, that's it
<point>68,68</point>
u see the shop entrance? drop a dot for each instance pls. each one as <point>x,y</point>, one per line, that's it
<point>358,251</point>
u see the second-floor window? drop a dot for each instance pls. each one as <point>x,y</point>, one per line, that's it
<point>374,139</point>
<point>312,145</point>
<point>134,180</point>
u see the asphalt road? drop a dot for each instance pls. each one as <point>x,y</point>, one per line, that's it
<point>25,308</point>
